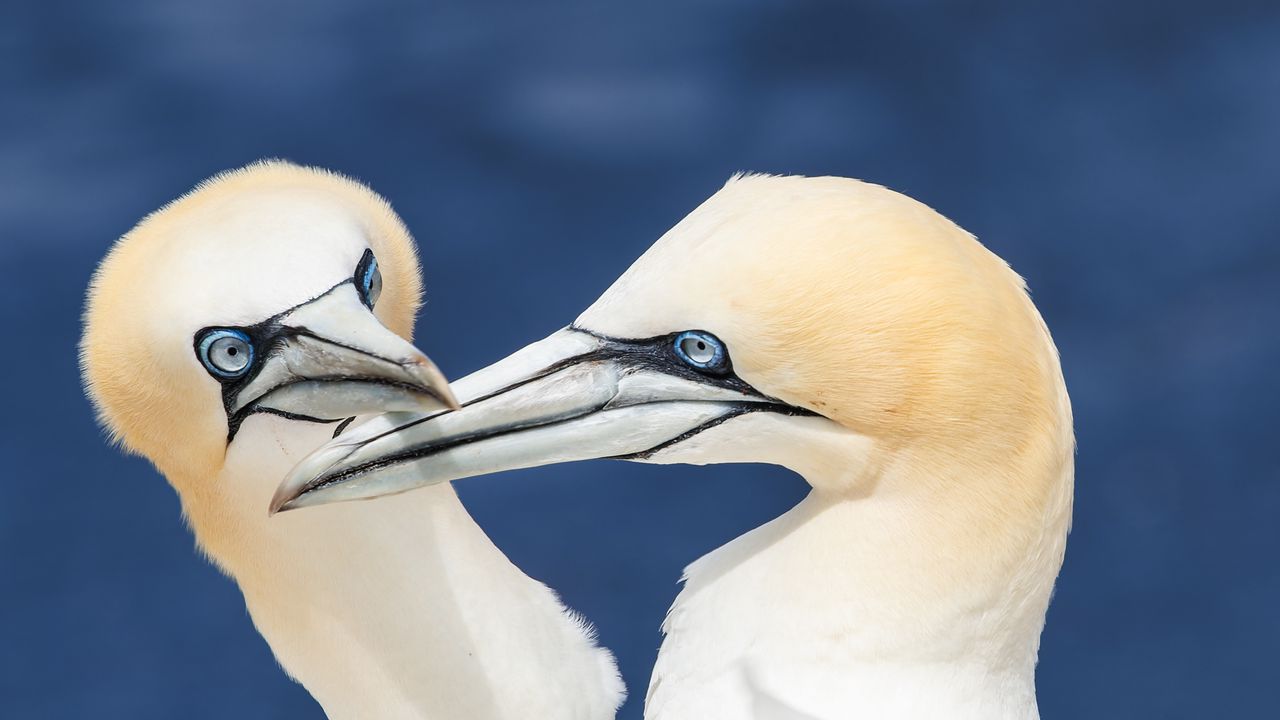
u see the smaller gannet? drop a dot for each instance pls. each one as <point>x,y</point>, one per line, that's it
<point>857,337</point>
<point>224,337</point>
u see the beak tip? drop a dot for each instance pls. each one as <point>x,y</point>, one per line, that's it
<point>282,502</point>
<point>433,381</point>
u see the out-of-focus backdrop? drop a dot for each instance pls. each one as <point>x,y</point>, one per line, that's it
<point>1124,157</point>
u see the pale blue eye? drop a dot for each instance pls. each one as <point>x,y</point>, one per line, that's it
<point>226,353</point>
<point>702,350</point>
<point>368,279</point>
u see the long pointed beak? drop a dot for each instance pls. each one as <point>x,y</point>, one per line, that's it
<point>573,396</point>
<point>331,358</point>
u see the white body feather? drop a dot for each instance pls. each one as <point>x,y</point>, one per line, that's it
<point>401,607</point>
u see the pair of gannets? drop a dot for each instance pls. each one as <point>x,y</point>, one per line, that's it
<point>827,325</point>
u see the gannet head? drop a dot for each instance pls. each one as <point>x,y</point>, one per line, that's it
<point>827,325</point>
<point>269,295</point>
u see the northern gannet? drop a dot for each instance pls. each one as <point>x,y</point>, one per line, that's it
<point>224,335</point>
<point>857,337</point>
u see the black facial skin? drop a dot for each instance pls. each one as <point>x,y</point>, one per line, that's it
<point>658,354</point>
<point>654,354</point>
<point>267,337</point>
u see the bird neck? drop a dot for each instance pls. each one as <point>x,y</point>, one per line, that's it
<point>399,607</point>
<point>923,595</point>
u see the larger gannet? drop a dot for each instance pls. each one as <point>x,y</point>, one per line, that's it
<point>857,337</point>
<point>224,335</point>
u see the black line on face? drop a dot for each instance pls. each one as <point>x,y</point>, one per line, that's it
<point>237,418</point>
<point>739,411</point>
<point>343,426</point>
<point>294,416</point>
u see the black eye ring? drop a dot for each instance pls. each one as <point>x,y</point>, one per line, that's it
<point>368,279</point>
<point>226,353</point>
<point>702,351</point>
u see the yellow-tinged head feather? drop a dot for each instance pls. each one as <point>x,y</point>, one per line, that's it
<point>877,312</point>
<point>238,248</point>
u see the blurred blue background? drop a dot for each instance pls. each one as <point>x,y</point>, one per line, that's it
<point>1124,157</point>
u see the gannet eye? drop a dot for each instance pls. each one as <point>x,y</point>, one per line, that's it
<point>702,350</point>
<point>226,353</point>
<point>368,279</point>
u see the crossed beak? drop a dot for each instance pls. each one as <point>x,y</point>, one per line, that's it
<point>329,359</point>
<point>573,396</point>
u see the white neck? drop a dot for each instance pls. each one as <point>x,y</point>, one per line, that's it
<point>879,605</point>
<point>399,607</point>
